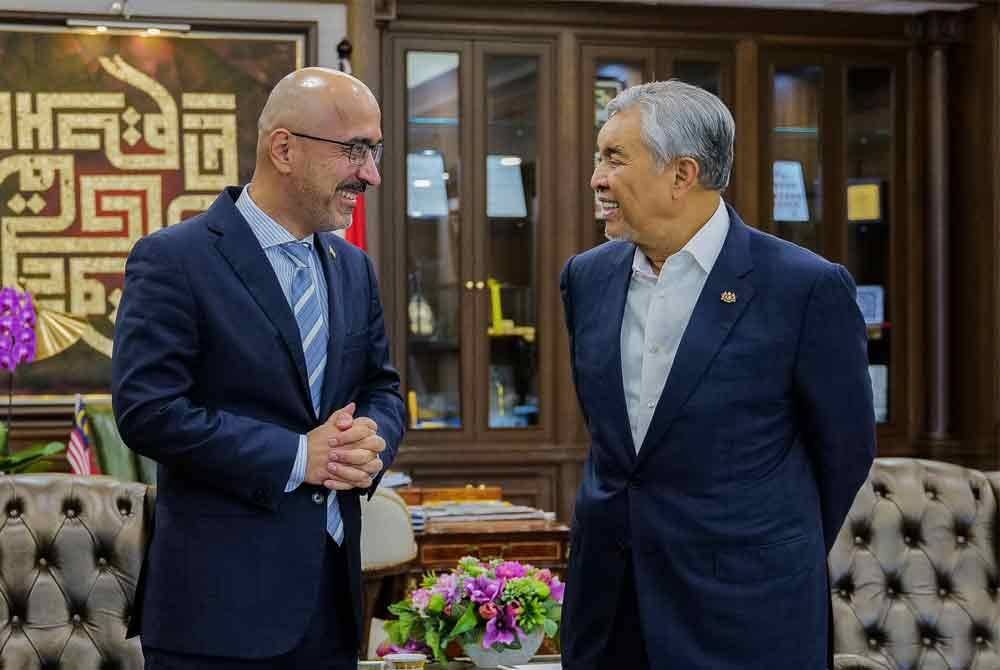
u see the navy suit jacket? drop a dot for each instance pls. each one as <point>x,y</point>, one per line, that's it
<point>761,438</point>
<point>209,380</point>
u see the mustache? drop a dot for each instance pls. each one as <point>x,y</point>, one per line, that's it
<point>359,186</point>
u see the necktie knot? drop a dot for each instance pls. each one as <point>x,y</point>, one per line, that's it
<point>298,251</point>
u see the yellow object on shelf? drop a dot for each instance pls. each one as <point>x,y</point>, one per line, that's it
<point>411,405</point>
<point>525,332</point>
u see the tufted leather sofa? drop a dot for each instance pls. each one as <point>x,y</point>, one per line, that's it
<point>70,553</point>
<point>913,573</point>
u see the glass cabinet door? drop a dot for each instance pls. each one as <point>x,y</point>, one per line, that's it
<point>708,69</point>
<point>869,174</point>
<point>609,71</point>
<point>852,151</point>
<point>512,162</point>
<point>434,233</point>
<point>796,153</point>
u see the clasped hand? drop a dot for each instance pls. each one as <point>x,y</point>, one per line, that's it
<point>344,451</point>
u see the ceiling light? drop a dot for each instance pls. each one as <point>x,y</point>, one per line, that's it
<point>147,28</point>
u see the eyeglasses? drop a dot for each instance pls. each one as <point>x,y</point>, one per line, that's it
<point>357,151</point>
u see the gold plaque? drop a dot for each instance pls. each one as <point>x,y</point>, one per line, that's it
<point>864,202</point>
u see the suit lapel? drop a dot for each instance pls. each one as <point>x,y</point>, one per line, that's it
<point>334,289</point>
<point>614,297</point>
<point>241,249</point>
<point>710,324</point>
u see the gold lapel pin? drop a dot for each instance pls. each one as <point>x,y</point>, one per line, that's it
<point>728,297</point>
<point>333,254</point>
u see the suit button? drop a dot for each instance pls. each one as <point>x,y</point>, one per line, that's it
<point>318,498</point>
<point>634,484</point>
<point>259,496</point>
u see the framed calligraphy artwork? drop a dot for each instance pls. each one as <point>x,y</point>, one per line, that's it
<point>105,137</point>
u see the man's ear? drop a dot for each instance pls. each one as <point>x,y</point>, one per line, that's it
<point>279,150</point>
<point>686,175</point>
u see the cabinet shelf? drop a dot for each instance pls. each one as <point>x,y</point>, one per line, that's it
<point>807,131</point>
<point>428,345</point>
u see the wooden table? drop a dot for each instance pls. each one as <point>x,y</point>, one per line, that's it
<point>542,543</point>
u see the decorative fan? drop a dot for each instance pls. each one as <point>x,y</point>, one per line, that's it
<point>56,332</point>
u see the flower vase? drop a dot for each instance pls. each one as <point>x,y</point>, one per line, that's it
<point>491,658</point>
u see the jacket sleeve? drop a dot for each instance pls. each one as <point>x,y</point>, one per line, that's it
<point>834,393</point>
<point>156,353</point>
<point>379,397</point>
<point>566,290</point>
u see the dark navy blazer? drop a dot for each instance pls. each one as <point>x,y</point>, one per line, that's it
<point>762,436</point>
<point>209,380</point>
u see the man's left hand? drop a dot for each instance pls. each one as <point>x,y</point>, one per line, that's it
<point>355,461</point>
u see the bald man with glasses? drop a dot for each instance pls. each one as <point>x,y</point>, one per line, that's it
<point>251,362</point>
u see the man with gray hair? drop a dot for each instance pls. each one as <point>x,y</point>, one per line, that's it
<point>723,376</point>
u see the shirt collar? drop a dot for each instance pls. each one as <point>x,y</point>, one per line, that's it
<point>705,246</point>
<point>269,233</point>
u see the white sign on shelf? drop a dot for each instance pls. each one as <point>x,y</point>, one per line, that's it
<point>880,391</point>
<point>871,301</point>
<point>790,202</point>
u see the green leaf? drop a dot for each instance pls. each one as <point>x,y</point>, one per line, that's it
<point>400,608</point>
<point>433,640</point>
<point>465,623</point>
<point>551,628</point>
<point>26,458</point>
<point>392,628</point>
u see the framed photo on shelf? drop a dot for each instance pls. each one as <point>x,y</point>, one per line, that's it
<point>605,90</point>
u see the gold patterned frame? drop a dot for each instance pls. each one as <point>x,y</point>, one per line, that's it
<point>109,136</point>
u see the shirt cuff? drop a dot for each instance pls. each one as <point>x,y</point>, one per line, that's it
<point>299,468</point>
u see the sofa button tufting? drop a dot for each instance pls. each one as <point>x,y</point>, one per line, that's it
<point>942,592</point>
<point>858,540</point>
<point>872,642</point>
<point>42,562</point>
<point>961,539</point>
<point>979,639</point>
<point>14,513</point>
<point>103,562</point>
<point>76,618</point>
<point>71,514</point>
<point>891,591</point>
<point>15,620</point>
<point>843,593</point>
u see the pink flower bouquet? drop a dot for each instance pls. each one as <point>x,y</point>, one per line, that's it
<point>495,604</point>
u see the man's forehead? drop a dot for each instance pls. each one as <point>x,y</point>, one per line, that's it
<point>617,130</point>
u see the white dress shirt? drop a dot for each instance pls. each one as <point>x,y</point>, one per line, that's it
<point>657,312</point>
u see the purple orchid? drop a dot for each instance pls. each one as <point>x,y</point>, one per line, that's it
<point>483,589</point>
<point>510,570</point>
<point>421,599</point>
<point>411,646</point>
<point>557,590</point>
<point>17,328</point>
<point>502,628</point>
<point>449,586</point>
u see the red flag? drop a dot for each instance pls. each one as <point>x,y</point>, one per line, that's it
<point>356,234</point>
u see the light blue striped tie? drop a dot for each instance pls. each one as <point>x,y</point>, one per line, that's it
<point>309,316</point>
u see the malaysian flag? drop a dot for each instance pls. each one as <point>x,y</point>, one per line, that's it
<point>80,455</point>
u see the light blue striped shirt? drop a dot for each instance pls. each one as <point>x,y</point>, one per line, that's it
<point>271,236</point>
